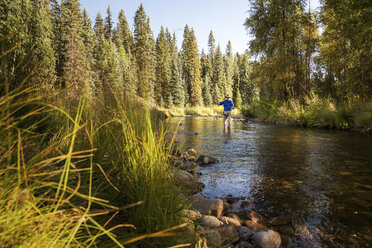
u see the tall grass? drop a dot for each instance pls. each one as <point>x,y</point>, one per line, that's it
<point>198,111</point>
<point>315,112</point>
<point>84,174</point>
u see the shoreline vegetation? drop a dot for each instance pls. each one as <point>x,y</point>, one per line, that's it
<point>316,114</point>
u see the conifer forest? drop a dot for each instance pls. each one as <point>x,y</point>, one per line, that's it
<point>86,155</point>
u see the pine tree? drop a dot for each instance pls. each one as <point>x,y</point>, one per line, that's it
<point>144,54</point>
<point>99,28</point>
<point>108,26</point>
<point>176,82</point>
<point>192,69</point>
<point>75,74</point>
<point>211,46</point>
<point>219,75</point>
<point>57,38</point>
<point>229,60</point>
<point>246,87</point>
<point>206,75</point>
<point>236,82</point>
<point>163,68</point>
<point>124,33</point>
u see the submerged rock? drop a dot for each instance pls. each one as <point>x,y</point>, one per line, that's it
<point>209,206</point>
<point>266,239</point>
<point>280,221</point>
<point>205,159</point>
<point>244,232</point>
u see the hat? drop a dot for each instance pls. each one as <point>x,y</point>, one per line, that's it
<point>227,96</point>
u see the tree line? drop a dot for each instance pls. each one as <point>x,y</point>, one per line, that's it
<point>294,61</point>
<point>57,46</point>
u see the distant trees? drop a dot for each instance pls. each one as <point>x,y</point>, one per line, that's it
<point>294,62</point>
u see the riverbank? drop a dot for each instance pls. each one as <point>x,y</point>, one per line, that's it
<point>318,113</point>
<point>223,222</point>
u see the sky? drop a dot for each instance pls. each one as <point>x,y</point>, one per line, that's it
<point>224,17</point>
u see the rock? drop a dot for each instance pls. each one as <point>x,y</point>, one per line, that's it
<point>280,221</point>
<point>244,232</point>
<point>188,157</point>
<point>286,241</point>
<point>213,239</point>
<point>232,200</point>
<point>228,220</point>
<point>228,233</point>
<point>234,216</point>
<point>286,229</point>
<point>205,159</point>
<point>188,166</point>
<point>210,221</point>
<point>244,244</point>
<point>255,226</point>
<point>266,239</point>
<point>188,181</point>
<point>256,217</point>
<point>192,152</point>
<point>208,206</point>
<point>191,214</point>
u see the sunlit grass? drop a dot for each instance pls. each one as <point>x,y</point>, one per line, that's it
<point>314,113</point>
<point>84,174</point>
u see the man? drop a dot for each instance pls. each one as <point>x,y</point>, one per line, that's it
<point>228,105</point>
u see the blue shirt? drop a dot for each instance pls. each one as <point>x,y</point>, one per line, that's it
<point>228,105</point>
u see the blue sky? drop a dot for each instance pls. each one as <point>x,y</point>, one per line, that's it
<point>224,17</point>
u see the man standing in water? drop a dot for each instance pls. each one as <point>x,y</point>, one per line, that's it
<point>228,106</point>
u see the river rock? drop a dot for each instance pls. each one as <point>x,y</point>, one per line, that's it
<point>205,159</point>
<point>280,221</point>
<point>192,152</point>
<point>228,233</point>
<point>256,217</point>
<point>255,226</point>
<point>188,157</point>
<point>266,239</point>
<point>213,239</point>
<point>210,221</point>
<point>228,220</point>
<point>244,244</point>
<point>244,232</point>
<point>188,181</point>
<point>188,166</point>
<point>191,214</point>
<point>208,206</point>
<point>286,229</point>
<point>234,216</point>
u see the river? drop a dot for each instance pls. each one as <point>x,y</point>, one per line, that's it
<point>321,179</point>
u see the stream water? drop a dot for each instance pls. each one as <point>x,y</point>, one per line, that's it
<point>321,179</point>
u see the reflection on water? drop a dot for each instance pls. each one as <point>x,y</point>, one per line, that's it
<point>322,179</point>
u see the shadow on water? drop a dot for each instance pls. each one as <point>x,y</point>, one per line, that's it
<point>322,179</point>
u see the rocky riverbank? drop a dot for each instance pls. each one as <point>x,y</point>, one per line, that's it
<point>224,222</point>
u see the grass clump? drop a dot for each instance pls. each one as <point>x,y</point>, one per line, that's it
<point>84,174</point>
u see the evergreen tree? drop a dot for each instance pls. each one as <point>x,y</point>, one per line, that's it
<point>192,68</point>
<point>144,54</point>
<point>163,69</point>
<point>229,60</point>
<point>99,28</point>
<point>246,87</point>
<point>236,82</point>
<point>176,82</point>
<point>124,33</point>
<point>219,76</point>
<point>206,74</point>
<point>57,38</point>
<point>74,74</point>
<point>211,46</point>
<point>108,26</point>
